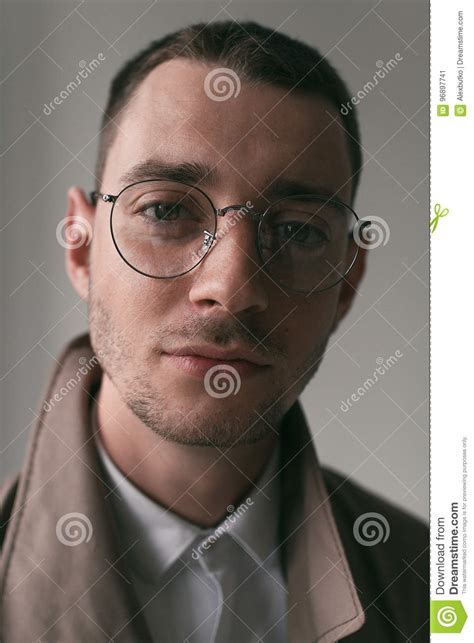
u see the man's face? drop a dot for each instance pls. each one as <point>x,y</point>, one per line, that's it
<point>137,323</point>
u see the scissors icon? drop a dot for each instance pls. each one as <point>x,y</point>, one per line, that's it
<point>439,214</point>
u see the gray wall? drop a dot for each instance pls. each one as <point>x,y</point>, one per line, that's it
<point>383,439</point>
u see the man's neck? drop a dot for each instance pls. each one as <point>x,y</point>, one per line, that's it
<point>197,483</point>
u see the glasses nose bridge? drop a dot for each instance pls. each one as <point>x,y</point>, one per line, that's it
<point>243,208</point>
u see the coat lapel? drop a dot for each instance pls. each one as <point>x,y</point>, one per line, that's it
<point>60,544</point>
<point>323,602</point>
<point>61,500</point>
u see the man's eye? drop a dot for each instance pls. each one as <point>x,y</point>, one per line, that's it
<point>165,211</point>
<point>302,233</point>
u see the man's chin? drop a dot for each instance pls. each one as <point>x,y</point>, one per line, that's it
<point>219,430</point>
<point>191,416</point>
<point>216,439</point>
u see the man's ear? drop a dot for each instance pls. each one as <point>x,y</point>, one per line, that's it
<point>349,286</point>
<point>77,231</point>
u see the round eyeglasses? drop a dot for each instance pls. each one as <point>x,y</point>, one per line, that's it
<point>164,229</point>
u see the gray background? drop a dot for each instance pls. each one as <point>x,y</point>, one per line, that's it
<point>383,440</point>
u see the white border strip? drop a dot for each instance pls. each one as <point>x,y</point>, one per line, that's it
<point>452,318</point>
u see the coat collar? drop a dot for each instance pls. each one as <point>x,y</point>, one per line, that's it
<point>81,587</point>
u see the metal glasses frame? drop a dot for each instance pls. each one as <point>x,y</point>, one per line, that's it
<point>220,212</point>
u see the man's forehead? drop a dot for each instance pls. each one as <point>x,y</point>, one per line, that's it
<point>181,89</point>
<point>263,130</point>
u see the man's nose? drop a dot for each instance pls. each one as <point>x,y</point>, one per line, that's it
<point>231,276</point>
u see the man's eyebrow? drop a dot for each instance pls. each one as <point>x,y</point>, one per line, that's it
<point>193,172</point>
<point>282,187</point>
<point>197,173</point>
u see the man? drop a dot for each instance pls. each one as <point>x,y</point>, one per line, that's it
<point>171,491</point>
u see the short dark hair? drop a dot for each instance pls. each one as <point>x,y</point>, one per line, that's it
<point>256,53</point>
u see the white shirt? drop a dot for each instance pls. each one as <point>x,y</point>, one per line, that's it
<point>220,585</point>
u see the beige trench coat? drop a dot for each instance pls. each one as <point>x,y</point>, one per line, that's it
<point>338,588</point>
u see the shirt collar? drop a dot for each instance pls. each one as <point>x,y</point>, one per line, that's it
<point>254,521</point>
<point>164,536</point>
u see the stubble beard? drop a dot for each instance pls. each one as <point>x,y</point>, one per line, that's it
<point>162,415</point>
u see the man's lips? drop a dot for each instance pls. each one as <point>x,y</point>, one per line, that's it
<point>198,360</point>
